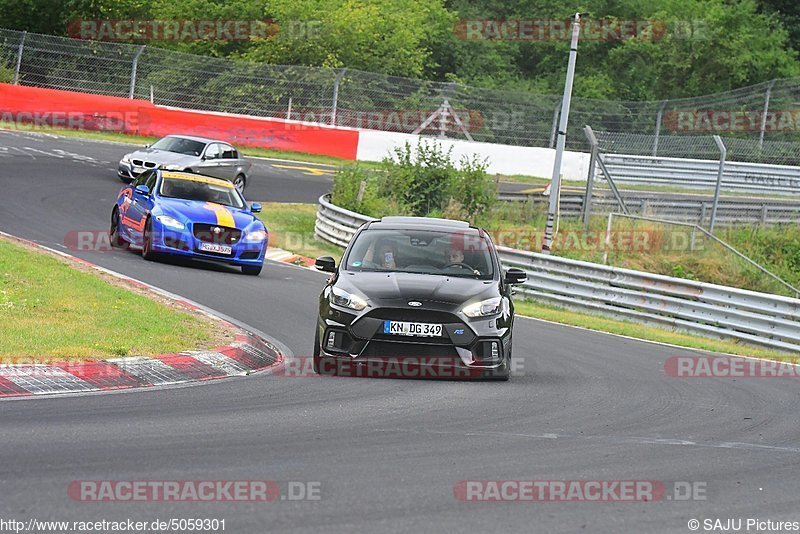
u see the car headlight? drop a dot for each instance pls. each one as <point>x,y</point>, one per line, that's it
<point>126,159</point>
<point>172,167</point>
<point>342,298</point>
<point>483,308</point>
<point>170,222</point>
<point>257,236</point>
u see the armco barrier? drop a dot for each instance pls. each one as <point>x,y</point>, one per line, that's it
<point>95,112</point>
<point>712,310</point>
<point>699,173</point>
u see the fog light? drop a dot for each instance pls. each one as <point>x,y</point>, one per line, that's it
<point>495,350</point>
<point>331,340</point>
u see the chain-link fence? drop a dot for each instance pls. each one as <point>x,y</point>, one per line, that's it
<point>702,179</point>
<point>763,113</point>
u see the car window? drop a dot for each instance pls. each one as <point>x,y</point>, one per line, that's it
<point>228,152</point>
<point>213,151</point>
<point>187,147</point>
<point>203,190</point>
<point>151,181</point>
<point>142,179</point>
<point>462,252</point>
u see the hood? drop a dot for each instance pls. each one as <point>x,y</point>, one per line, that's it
<point>195,211</point>
<point>381,286</point>
<point>162,157</point>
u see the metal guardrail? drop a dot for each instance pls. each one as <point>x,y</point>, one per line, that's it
<point>702,174</point>
<point>337,225</point>
<point>697,210</point>
<point>712,310</point>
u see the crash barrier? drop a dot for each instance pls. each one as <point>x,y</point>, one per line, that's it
<point>52,107</point>
<point>702,174</point>
<point>676,207</point>
<point>712,310</point>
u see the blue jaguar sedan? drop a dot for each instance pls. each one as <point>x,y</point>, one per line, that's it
<point>184,214</point>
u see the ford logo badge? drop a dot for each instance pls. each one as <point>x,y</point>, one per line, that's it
<point>415,303</point>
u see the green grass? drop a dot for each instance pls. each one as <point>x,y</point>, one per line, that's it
<point>291,227</point>
<point>52,311</point>
<point>639,331</point>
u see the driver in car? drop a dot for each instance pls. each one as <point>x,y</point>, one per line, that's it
<point>384,255</point>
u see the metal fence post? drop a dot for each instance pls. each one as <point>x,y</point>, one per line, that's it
<point>335,105</point>
<point>134,67</point>
<point>19,57</point>
<point>587,197</point>
<point>723,152</point>
<point>659,116</point>
<point>767,96</point>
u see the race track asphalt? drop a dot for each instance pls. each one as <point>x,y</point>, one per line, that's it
<point>386,453</point>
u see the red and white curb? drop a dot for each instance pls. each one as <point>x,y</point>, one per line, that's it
<point>248,353</point>
<point>284,256</point>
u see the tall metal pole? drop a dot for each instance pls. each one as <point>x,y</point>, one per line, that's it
<point>19,58</point>
<point>335,105</point>
<point>659,116</point>
<point>764,114</point>
<point>134,67</point>
<point>555,187</point>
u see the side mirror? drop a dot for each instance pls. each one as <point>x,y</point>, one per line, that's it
<point>515,276</point>
<point>326,264</point>
<point>143,190</point>
<point>255,207</point>
<point>146,146</point>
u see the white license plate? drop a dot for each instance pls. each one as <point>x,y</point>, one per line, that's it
<point>402,328</point>
<point>213,247</point>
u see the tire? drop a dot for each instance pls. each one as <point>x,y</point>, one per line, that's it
<point>252,270</point>
<point>147,241</point>
<point>240,182</point>
<point>190,171</point>
<point>116,240</point>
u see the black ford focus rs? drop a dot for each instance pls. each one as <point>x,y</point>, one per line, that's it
<point>416,297</point>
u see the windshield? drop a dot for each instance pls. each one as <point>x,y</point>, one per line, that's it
<point>180,145</point>
<point>460,252</point>
<point>201,189</point>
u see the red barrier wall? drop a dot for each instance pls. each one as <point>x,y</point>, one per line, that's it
<point>95,112</point>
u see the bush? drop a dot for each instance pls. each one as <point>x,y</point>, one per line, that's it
<point>422,182</point>
<point>346,186</point>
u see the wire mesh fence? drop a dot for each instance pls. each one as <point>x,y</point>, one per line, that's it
<point>761,117</point>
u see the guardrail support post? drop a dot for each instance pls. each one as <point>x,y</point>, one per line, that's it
<point>723,152</point>
<point>764,209</point>
<point>335,105</point>
<point>134,67</point>
<point>19,57</point>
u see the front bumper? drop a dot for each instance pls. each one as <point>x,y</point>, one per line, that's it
<point>184,243</point>
<point>127,172</point>
<point>357,346</point>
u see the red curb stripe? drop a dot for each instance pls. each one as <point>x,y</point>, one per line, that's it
<point>10,389</point>
<point>191,367</point>
<point>103,375</point>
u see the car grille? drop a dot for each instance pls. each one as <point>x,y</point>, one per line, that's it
<point>418,315</point>
<point>212,233</point>
<point>420,351</point>
<point>140,163</point>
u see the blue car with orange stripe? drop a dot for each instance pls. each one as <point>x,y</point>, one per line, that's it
<point>184,214</point>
